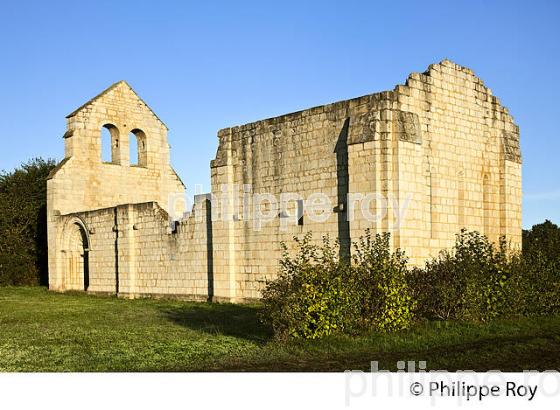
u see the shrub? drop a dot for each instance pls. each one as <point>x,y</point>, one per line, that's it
<point>537,282</point>
<point>436,289</point>
<point>379,281</point>
<point>470,282</point>
<point>23,224</point>
<point>317,294</point>
<point>534,287</point>
<point>309,297</point>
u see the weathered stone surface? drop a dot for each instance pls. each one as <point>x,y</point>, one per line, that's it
<point>441,143</point>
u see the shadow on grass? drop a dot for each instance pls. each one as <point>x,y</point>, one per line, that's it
<point>239,321</point>
<point>507,354</point>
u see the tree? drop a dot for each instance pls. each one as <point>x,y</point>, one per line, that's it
<point>23,223</point>
<point>543,239</point>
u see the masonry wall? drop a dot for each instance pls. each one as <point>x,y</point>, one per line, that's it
<point>134,251</point>
<point>441,144</point>
<point>423,161</point>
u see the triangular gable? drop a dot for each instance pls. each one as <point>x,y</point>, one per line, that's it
<point>115,85</point>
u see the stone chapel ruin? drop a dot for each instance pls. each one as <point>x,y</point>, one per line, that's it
<point>441,149</point>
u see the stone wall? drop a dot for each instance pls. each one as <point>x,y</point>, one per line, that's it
<point>134,251</point>
<point>441,144</point>
<point>433,156</point>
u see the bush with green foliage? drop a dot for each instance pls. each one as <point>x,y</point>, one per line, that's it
<point>23,223</point>
<point>379,282</point>
<point>309,298</point>
<point>537,283</point>
<point>317,294</point>
<point>470,282</point>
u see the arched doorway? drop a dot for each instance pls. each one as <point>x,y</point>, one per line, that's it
<point>76,275</point>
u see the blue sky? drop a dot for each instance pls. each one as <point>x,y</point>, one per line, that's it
<point>203,66</point>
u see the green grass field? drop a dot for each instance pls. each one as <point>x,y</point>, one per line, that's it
<point>44,331</point>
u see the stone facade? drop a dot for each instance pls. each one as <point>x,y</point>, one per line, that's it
<point>440,153</point>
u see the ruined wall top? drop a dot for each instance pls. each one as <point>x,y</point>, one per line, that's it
<point>446,75</point>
